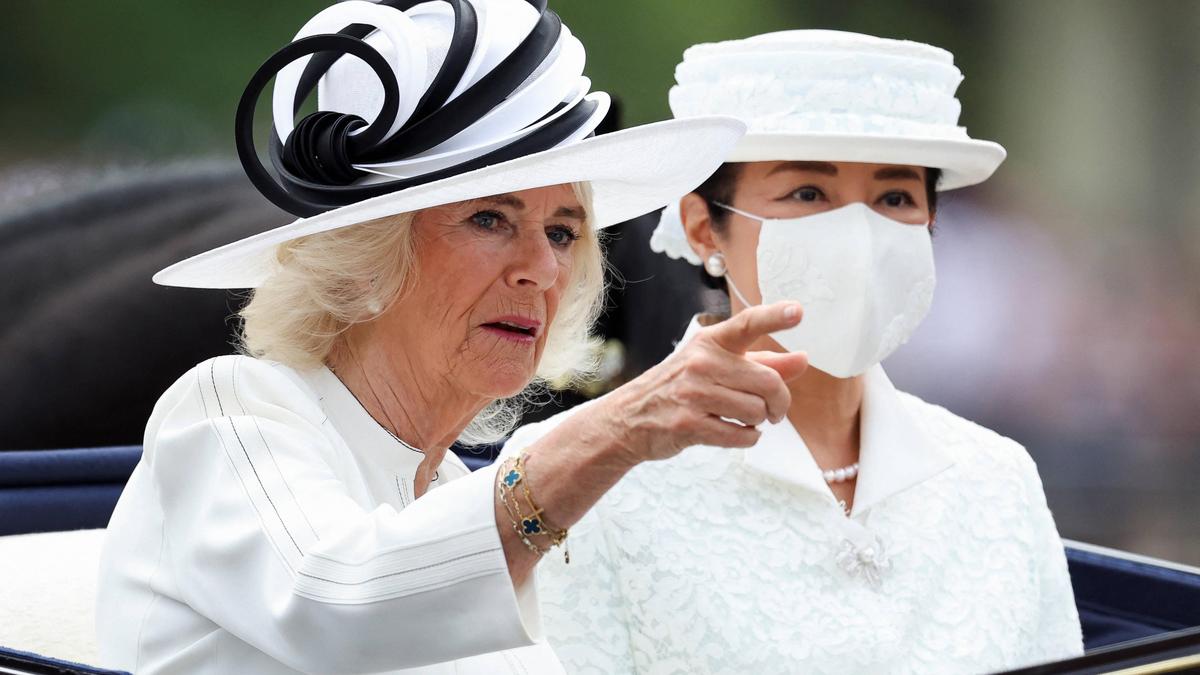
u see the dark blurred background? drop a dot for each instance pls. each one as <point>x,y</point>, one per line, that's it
<point>1068,308</point>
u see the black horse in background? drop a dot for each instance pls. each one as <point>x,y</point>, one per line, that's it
<point>89,343</point>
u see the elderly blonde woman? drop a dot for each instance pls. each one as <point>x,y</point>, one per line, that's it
<point>870,532</point>
<point>296,509</point>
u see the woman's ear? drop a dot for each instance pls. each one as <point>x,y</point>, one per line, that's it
<point>697,225</point>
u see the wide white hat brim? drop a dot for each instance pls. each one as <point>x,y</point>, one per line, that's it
<point>631,172</point>
<point>963,161</point>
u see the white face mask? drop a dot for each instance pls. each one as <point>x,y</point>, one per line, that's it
<point>865,281</point>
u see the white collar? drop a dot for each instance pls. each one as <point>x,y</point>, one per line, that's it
<point>362,433</point>
<point>895,454</point>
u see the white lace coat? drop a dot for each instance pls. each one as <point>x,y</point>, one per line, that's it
<point>723,561</point>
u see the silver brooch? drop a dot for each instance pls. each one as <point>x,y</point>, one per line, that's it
<point>867,561</point>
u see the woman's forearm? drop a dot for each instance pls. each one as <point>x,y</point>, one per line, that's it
<point>567,470</point>
<point>709,392</point>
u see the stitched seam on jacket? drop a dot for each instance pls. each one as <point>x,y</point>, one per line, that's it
<point>253,468</point>
<point>400,489</point>
<point>514,660</point>
<point>271,455</point>
<point>212,375</point>
<point>264,487</point>
<point>419,546</point>
<point>410,570</point>
<point>381,590</point>
<point>245,490</point>
<point>203,398</point>
<point>377,587</point>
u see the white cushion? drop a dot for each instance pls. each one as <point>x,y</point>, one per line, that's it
<point>48,593</point>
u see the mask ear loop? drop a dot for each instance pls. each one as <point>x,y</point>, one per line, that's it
<point>728,279</point>
<point>738,211</point>
<point>733,287</point>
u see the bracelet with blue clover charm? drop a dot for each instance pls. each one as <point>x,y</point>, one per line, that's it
<point>507,478</point>
<point>531,525</point>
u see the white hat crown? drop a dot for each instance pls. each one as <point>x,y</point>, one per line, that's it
<point>412,92</point>
<point>824,95</point>
<point>823,82</point>
<point>421,104</point>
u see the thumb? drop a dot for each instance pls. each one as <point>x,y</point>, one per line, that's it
<point>789,365</point>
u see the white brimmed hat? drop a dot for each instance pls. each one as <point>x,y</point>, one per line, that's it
<point>821,95</point>
<point>421,104</point>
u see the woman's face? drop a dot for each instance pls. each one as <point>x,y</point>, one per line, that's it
<point>487,282</point>
<point>797,189</point>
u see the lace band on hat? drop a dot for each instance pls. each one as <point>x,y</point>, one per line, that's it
<point>431,90</point>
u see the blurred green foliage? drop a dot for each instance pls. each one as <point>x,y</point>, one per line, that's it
<point>1097,101</point>
<point>162,78</point>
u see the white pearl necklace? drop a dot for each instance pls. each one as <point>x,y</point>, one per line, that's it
<point>841,475</point>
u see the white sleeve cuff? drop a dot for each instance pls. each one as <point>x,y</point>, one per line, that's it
<point>473,498</point>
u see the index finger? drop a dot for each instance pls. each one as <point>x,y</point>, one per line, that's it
<point>739,332</point>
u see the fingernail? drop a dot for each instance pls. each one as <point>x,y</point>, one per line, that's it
<point>792,313</point>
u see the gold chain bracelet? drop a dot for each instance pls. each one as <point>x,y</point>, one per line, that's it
<point>508,498</point>
<point>532,524</point>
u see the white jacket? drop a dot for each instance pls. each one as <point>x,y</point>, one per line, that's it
<point>731,561</point>
<point>271,528</point>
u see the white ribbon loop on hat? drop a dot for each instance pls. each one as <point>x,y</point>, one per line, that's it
<point>427,162</point>
<point>405,51</point>
<point>503,24</point>
<point>550,85</point>
<point>415,44</point>
<point>519,115</point>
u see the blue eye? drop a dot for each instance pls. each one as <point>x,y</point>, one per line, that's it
<point>561,235</point>
<point>808,194</point>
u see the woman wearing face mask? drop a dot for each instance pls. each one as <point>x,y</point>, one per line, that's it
<point>870,531</point>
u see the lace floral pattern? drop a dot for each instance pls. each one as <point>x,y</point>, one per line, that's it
<point>824,93</point>
<point>807,285</point>
<point>824,42</point>
<point>701,564</point>
<point>823,105</point>
<point>901,327</point>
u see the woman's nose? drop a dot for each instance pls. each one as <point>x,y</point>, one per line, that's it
<point>534,262</point>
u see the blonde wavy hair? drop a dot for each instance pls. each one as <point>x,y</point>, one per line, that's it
<point>327,282</point>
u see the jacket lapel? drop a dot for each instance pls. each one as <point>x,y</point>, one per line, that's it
<point>895,453</point>
<point>781,454</point>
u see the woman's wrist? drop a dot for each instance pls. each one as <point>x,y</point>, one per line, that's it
<point>605,438</point>
<point>570,468</point>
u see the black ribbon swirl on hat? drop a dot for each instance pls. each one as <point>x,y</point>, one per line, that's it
<point>314,168</point>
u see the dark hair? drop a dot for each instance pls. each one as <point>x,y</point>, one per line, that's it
<point>721,186</point>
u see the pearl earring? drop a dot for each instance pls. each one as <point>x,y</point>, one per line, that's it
<point>715,265</point>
